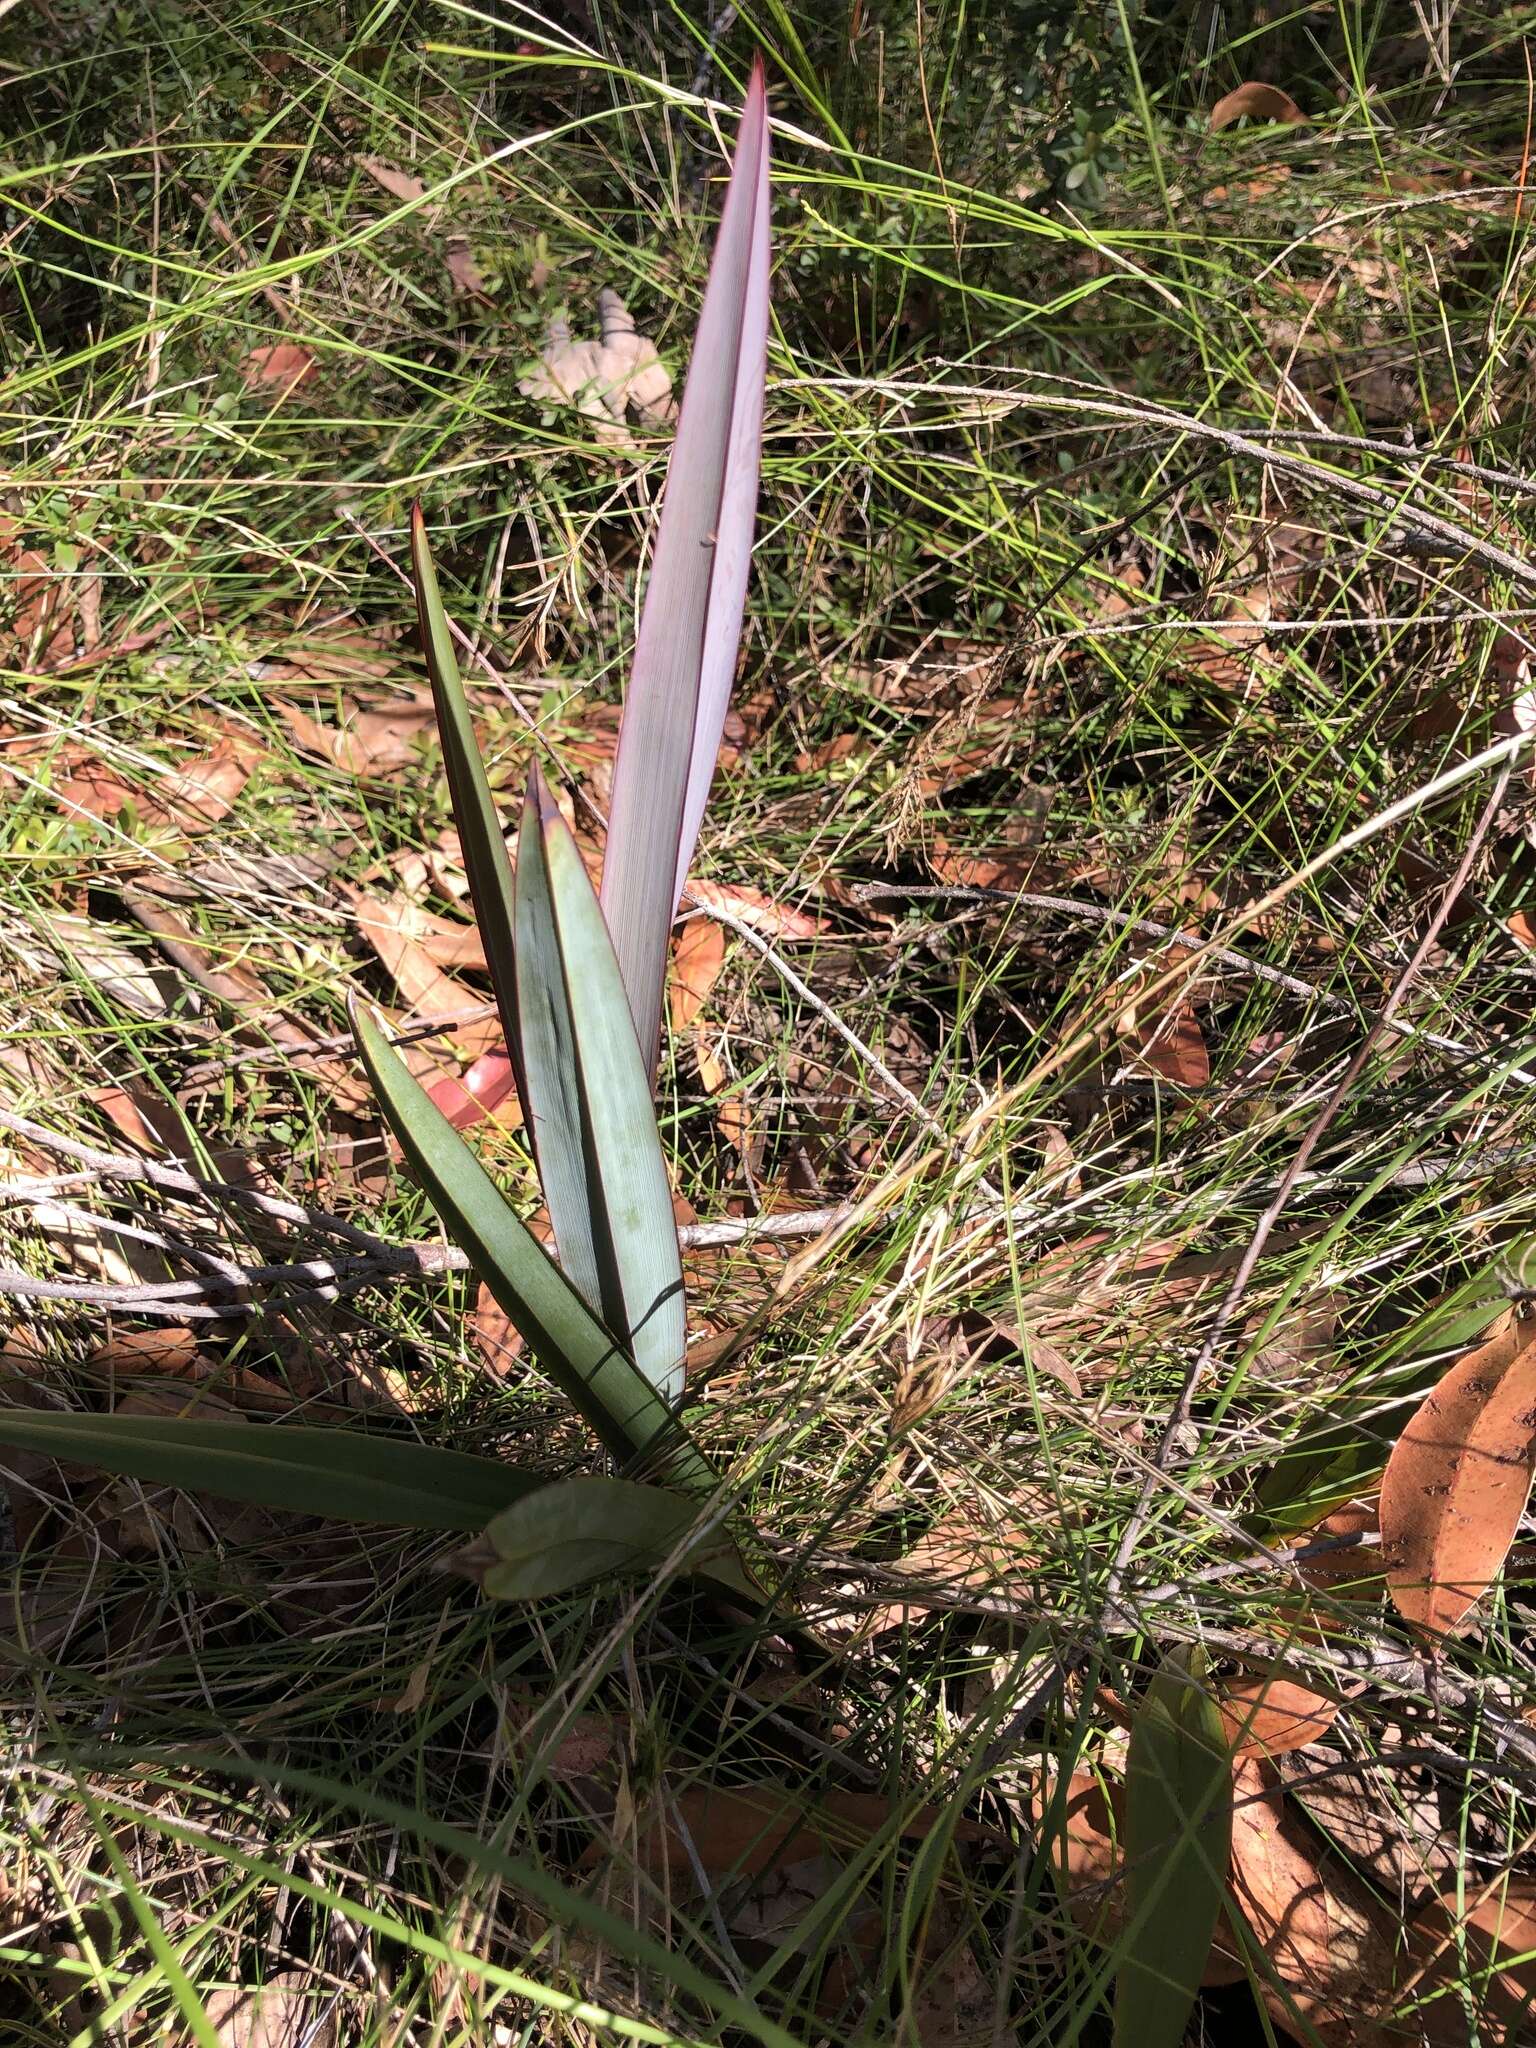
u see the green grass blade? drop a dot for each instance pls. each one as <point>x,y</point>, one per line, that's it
<point>565,1905</point>
<point>623,1409</point>
<point>474,809</point>
<point>690,629</point>
<point>196,2027</point>
<point>341,1474</point>
<point>1178,1840</point>
<point>589,1101</point>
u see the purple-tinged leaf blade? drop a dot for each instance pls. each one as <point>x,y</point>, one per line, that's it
<point>690,629</point>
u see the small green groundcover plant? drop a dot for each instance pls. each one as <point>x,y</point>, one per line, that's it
<point>578,983</point>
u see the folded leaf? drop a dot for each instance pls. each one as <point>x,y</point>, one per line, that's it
<point>690,630</point>
<point>1178,1840</point>
<point>624,1411</point>
<point>588,1103</point>
<point>341,1474</point>
<point>474,810</point>
<point>577,1530</point>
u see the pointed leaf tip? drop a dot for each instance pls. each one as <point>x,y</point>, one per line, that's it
<point>690,630</point>
<point>474,808</point>
<point>541,798</point>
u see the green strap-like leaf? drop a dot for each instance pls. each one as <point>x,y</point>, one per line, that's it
<point>690,630</point>
<point>1178,1841</point>
<point>577,1530</point>
<point>1331,1464</point>
<point>588,1100</point>
<point>591,1369</point>
<point>342,1474</point>
<point>474,810</point>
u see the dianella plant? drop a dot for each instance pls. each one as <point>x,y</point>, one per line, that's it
<point>578,982</point>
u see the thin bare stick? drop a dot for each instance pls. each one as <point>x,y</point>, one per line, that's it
<point>208,1295</point>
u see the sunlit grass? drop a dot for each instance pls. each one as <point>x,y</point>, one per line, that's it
<point>999,443</point>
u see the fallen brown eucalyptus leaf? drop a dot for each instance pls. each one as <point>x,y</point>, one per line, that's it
<point>172,1354</point>
<point>450,943</point>
<point>1168,1039</point>
<point>1175,1049</point>
<point>1087,1858</point>
<point>171,1349</point>
<point>772,920</point>
<point>698,954</point>
<point>1330,1943</point>
<point>1259,102</point>
<point>281,367</point>
<point>1501,1925</point>
<point>956,1555</point>
<point>401,185</point>
<point>138,1116</point>
<point>743,1830</point>
<point>287,2011</point>
<point>392,925</point>
<point>1386,1823</point>
<point>1010,863</point>
<point>336,649</point>
<point>202,791</point>
<point>497,1342</point>
<point>464,273</point>
<point>34,603</point>
<point>1098,1301</point>
<point>373,739</point>
<point>121,971</point>
<point>1264,1715</point>
<point>189,799</point>
<point>1352,1572</point>
<point>1458,1478</point>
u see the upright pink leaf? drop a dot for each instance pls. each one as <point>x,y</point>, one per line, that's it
<point>690,629</point>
